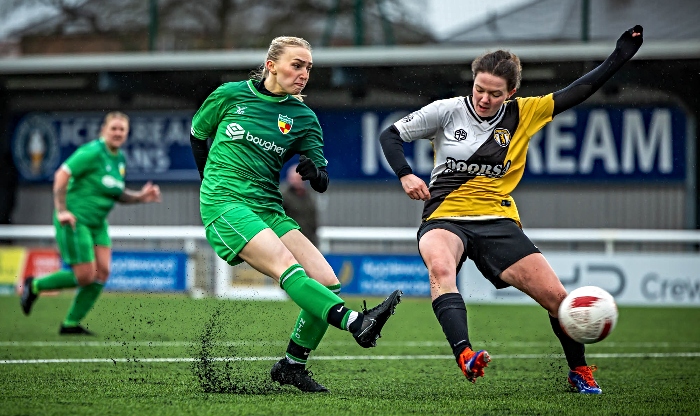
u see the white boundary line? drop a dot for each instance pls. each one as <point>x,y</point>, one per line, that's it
<point>240,343</point>
<point>340,357</point>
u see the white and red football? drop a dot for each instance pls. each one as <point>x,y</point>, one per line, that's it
<point>588,314</point>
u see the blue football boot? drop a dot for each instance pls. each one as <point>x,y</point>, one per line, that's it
<point>472,363</point>
<point>582,381</point>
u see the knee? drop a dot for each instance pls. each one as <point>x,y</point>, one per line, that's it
<point>551,302</point>
<point>286,257</point>
<point>102,274</point>
<point>554,303</point>
<point>85,276</point>
<point>442,271</point>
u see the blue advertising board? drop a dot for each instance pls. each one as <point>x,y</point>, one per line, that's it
<point>585,144</point>
<point>379,275</point>
<point>612,144</point>
<point>148,271</point>
<point>158,147</point>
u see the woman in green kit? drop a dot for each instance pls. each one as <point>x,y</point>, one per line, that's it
<point>257,126</point>
<point>85,188</point>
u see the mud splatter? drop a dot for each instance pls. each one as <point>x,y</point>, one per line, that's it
<point>228,375</point>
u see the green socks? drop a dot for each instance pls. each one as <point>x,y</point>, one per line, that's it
<point>308,294</point>
<point>309,330</point>
<point>84,299</point>
<point>62,279</point>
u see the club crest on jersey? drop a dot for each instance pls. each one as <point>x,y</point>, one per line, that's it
<point>502,137</point>
<point>284,123</point>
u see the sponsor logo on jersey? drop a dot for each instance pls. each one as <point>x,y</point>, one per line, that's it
<point>267,145</point>
<point>240,109</point>
<point>477,169</point>
<point>408,118</point>
<point>112,182</point>
<point>460,135</point>
<point>502,137</point>
<point>122,169</point>
<point>284,123</point>
<point>234,131</point>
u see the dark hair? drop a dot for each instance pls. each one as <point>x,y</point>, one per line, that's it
<point>502,64</point>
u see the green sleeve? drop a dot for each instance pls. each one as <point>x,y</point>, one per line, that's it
<point>206,119</point>
<point>313,145</point>
<point>81,161</point>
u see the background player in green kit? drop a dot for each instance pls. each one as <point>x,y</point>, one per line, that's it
<point>256,126</point>
<point>85,188</point>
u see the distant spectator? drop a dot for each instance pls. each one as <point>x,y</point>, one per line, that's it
<point>299,204</point>
<point>85,188</point>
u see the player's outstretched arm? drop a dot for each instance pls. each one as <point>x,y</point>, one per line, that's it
<point>148,193</point>
<point>392,146</point>
<point>627,45</point>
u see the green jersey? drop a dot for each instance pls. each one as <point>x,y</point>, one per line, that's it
<point>97,180</point>
<point>254,135</point>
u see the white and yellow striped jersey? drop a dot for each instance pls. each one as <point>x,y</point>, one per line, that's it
<point>478,162</point>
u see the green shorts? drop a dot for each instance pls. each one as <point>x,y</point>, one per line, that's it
<point>232,230</point>
<point>77,245</point>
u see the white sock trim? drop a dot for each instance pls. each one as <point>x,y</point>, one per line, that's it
<point>352,318</point>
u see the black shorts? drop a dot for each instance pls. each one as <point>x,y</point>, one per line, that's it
<point>493,245</point>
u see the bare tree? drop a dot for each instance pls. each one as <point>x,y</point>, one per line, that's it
<point>69,10</point>
<point>235,23</point>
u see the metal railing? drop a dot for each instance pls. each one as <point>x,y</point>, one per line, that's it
<point>327,235</point>
<point>609,237</point>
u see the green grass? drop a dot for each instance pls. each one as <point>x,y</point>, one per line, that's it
<point>410,372</point>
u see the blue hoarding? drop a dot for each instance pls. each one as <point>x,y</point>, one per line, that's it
<point>379,275</point>
<point>586,144</point>
<point>158,147</point>
<point>148,271</point>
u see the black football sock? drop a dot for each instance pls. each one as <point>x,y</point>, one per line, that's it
<point>296,353</point>
<point>575,352</point>
<point>452,315</point>
<point>341,317</point>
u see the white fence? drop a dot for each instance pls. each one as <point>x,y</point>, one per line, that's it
<point>190,236</point>
<point>607,236</point>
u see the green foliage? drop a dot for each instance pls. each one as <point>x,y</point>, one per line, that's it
<point>649,365</point>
